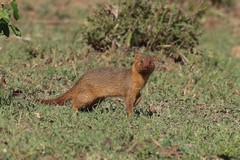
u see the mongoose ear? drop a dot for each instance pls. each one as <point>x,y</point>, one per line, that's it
<point>136,57</point>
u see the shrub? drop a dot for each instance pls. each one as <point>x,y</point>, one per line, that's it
<point>5,19</point>
<point>143,23</point>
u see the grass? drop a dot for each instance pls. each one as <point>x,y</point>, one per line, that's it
<point>196,105</point>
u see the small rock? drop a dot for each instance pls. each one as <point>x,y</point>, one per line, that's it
<point>235,52</point>
<point>154,108</point>
<point>2,81</point>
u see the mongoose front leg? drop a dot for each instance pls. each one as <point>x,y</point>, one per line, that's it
<point>138,99</point>
<point>129,101</point>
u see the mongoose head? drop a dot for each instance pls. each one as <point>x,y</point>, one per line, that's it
<point>144,63</point>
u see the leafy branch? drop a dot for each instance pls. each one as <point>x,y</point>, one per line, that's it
<point>6,20</point>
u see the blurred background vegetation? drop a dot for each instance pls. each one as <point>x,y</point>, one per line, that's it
<point>172,28</point>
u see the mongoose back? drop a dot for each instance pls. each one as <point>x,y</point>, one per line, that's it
<point>97,84</point>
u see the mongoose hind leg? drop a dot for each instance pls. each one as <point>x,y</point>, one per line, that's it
<point>82,100</point>
<point>93,105</point>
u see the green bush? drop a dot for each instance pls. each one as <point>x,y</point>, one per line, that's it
<point>6,21</point>
<point>143,23</point>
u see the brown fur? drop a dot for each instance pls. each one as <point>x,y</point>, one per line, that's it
<point>97,84</point>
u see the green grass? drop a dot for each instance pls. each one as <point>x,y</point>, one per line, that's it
<point>198,105</point>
